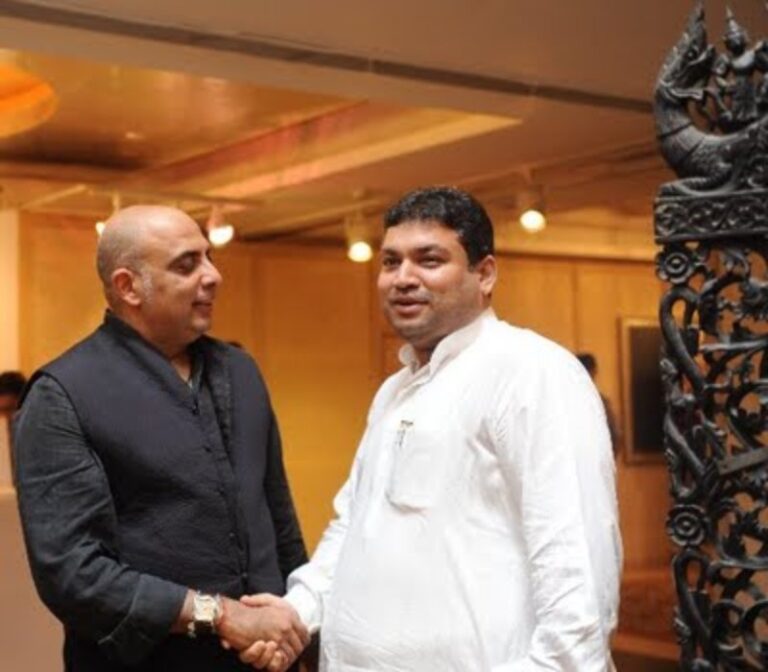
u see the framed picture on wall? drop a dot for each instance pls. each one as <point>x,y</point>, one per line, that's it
<point>642,390</point>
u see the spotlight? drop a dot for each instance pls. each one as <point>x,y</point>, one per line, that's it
<point>358,236</point>
<point>533,220</point>
<point>219,232</point>
<point>221,235</point>
<point>100,226</point>
<point>530,204</point>
<point>360,251</point>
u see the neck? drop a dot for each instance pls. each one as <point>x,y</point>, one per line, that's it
<point>424,351</point>
<point>177,355</point>
<point>423,354</point>
<point>183,364</point>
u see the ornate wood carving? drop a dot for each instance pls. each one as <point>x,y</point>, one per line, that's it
<point>713,223</point>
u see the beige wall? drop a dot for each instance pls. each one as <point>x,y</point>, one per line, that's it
<point>30,637</point>
<point>305,316</point>
<point>60,296</point>
<point>9,297</point>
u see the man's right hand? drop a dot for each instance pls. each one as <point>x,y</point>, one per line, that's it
<point>267,620</point>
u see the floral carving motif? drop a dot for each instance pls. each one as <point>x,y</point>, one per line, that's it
<point>687,525</point>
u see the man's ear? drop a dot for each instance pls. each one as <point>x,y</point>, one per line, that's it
<point>125,286</point>
<point>486,269</point>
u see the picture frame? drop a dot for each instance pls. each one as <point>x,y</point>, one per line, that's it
<point>640,342</point>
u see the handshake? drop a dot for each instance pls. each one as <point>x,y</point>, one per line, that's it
<point>264,629</point>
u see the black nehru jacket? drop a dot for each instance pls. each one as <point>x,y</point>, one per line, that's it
<point>134,485</point>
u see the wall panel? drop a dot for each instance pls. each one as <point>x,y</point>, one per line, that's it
<point>537,293</point>
<point>316,352</point>
<point>606,293</point>
<point>61,298</point>
<point>235,300</point>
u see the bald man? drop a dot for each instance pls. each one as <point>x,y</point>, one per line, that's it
<point>150,476</point>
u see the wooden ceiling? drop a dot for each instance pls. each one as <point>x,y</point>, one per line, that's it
<point>296,113</point>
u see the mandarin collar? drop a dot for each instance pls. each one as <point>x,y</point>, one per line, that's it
<point>449,347</point>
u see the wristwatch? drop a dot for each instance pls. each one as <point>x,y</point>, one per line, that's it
<point>206,610</point>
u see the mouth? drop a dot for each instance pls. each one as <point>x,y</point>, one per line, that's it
<point>203,306</point>
<point>407,307</point>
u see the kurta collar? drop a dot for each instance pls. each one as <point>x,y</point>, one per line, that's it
<point>449,347</point>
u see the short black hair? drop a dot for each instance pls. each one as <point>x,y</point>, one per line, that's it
<point>450,207</point>
<point>12,382</point>
<point>588,361</point>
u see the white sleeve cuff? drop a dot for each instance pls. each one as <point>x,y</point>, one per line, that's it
<point>306,605</point>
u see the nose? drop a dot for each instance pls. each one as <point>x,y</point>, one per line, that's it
<point>405,276</point>
<point>211,275</point>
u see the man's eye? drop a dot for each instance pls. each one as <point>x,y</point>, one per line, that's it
<point>186,266</point>
<point>431,262</point>
<point>389,262</point>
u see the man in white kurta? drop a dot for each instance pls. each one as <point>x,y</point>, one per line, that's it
<point>478,528</point>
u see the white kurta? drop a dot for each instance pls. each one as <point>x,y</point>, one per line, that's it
<point>478,528</point>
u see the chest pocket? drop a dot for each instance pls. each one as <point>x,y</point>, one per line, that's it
<point>421,456</point>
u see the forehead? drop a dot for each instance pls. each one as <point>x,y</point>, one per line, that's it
<point>170,237</point>
<point>418,234</point>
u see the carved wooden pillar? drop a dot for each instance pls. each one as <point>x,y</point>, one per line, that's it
<point>713,226</point>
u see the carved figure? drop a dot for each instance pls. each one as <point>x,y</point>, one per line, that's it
<point>740,62</point>
<point>706,161</point>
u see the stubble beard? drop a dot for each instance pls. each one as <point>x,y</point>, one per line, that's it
<point>416,333</point>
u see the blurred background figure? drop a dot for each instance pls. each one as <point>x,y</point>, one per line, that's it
<point>11,385</point>
<point>589,362</point>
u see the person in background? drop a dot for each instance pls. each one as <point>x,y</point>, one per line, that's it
<point>11,387</point>
<point>589,362</point>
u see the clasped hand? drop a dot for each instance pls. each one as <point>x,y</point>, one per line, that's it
<point>265,630</point>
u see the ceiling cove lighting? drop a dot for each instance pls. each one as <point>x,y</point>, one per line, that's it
<point>26,101</point>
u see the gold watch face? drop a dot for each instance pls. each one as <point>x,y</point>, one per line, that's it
<point>206,610</point>
<point>206,607</point>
